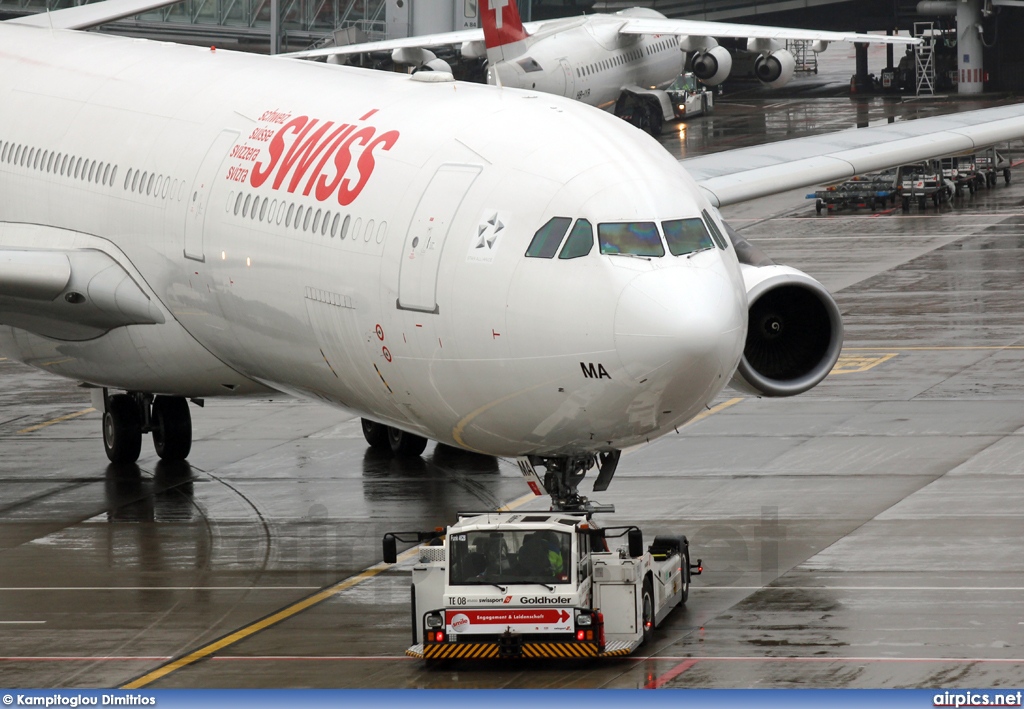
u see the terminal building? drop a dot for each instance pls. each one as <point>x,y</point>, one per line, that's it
<point>969,45</point>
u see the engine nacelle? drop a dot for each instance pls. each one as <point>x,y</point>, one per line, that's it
<point>775,69</point>
<point>712,66</point>
<point>794,332</point>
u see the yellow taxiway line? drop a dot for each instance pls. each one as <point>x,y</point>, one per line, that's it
<point>285,613</point>
<point>59,419</point>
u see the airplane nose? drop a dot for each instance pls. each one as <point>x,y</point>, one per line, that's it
<point>684,327</point>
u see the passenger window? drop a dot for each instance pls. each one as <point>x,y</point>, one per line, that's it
<point>715,233</point>
<point>344,226</point>
<point>334,225</point>
<point>326,226</point>
<point>238,203</point>
<point>127,178</point>
<point>288,218</point>
<point>547,239</point>
<point>107,175</point>
<point>580,241</point>
<point>685,236</point>
<point>92,171</point>
<point>298,216</point>
<point>245,207</point>
<point>263,209</point>
<point>135,181</point>
<point>368,234</point>
<point>149,185</point>
<point>316,222</point>
<point>631,238</point>
<point>305,222</point>
<point>113,175</point>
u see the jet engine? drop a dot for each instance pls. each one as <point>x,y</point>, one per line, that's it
<point>794,332</point>
<point>420,59</point>
<point>712,65</point>
<point>775,69</point>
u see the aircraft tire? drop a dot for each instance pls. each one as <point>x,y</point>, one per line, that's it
<point>376,434</point>
<point>122,429</point>
<point>647,610</point>
<point>172,427</point>
<point>404,444</point>
<point>1006,176</point>
<point>654,120</point>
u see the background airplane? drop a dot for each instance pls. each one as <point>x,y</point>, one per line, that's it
<point>179,223</point>
<point>621,62</point>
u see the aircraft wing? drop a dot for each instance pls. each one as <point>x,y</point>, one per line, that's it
<point>698,28</point>
<point>82,17</point>
<point>70,294</point>
<point>747,173</point>
<point>428,40</point>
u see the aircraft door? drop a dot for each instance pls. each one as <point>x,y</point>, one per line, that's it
<point>570,81</point>
<point>199,195</point>
<point>417,275</point>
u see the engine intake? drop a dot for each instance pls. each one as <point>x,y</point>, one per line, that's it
<point>775,69</point>
<point>712,66</point>
<point>794,332</point>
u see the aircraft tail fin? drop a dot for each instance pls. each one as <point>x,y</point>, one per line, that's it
<point>504,34</point>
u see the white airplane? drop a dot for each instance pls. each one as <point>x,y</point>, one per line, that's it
<point>621,62</point>
<point>179,223</point>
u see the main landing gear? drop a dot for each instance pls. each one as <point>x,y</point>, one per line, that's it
<point>386,438</point>
<point>562,476</point>
<point>127,416</point>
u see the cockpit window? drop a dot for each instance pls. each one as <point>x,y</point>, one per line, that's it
<point>632,238</point>
<point>580,241</point>
<point>548,237</point>
<point>716,234</point>
<point>685,236</point>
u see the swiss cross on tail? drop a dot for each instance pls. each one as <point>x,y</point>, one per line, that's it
<point>502,24</point>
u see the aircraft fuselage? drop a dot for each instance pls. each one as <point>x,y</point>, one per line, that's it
<point>359,238</point>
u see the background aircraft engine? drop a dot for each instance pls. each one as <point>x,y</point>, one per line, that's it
<point>775,69</point>
<point>712,66</point>
<point>794,332</point>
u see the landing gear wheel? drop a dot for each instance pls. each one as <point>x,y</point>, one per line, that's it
<point>654,121</point>
<point>817,206</point>
<point>1006,175</point>
<point>686,576</point>
<point>172,427</point>
<point>647,610</point>
<point>122,429</point>
<point>405,444</point>
<point>376,434</point>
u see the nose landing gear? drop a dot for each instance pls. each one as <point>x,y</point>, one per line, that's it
<point>562,476</point>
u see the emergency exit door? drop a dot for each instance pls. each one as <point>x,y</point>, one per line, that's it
<point>428,231</point>
<point>199,195</point>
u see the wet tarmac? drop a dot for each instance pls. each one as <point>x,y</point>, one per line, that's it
<point>869,533</point>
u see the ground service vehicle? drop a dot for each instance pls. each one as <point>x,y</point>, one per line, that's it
<point>989,164</point>
<point>871,191</point>
<point>922,182</point>
<point>540,584</point>
<point>689,97</point>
